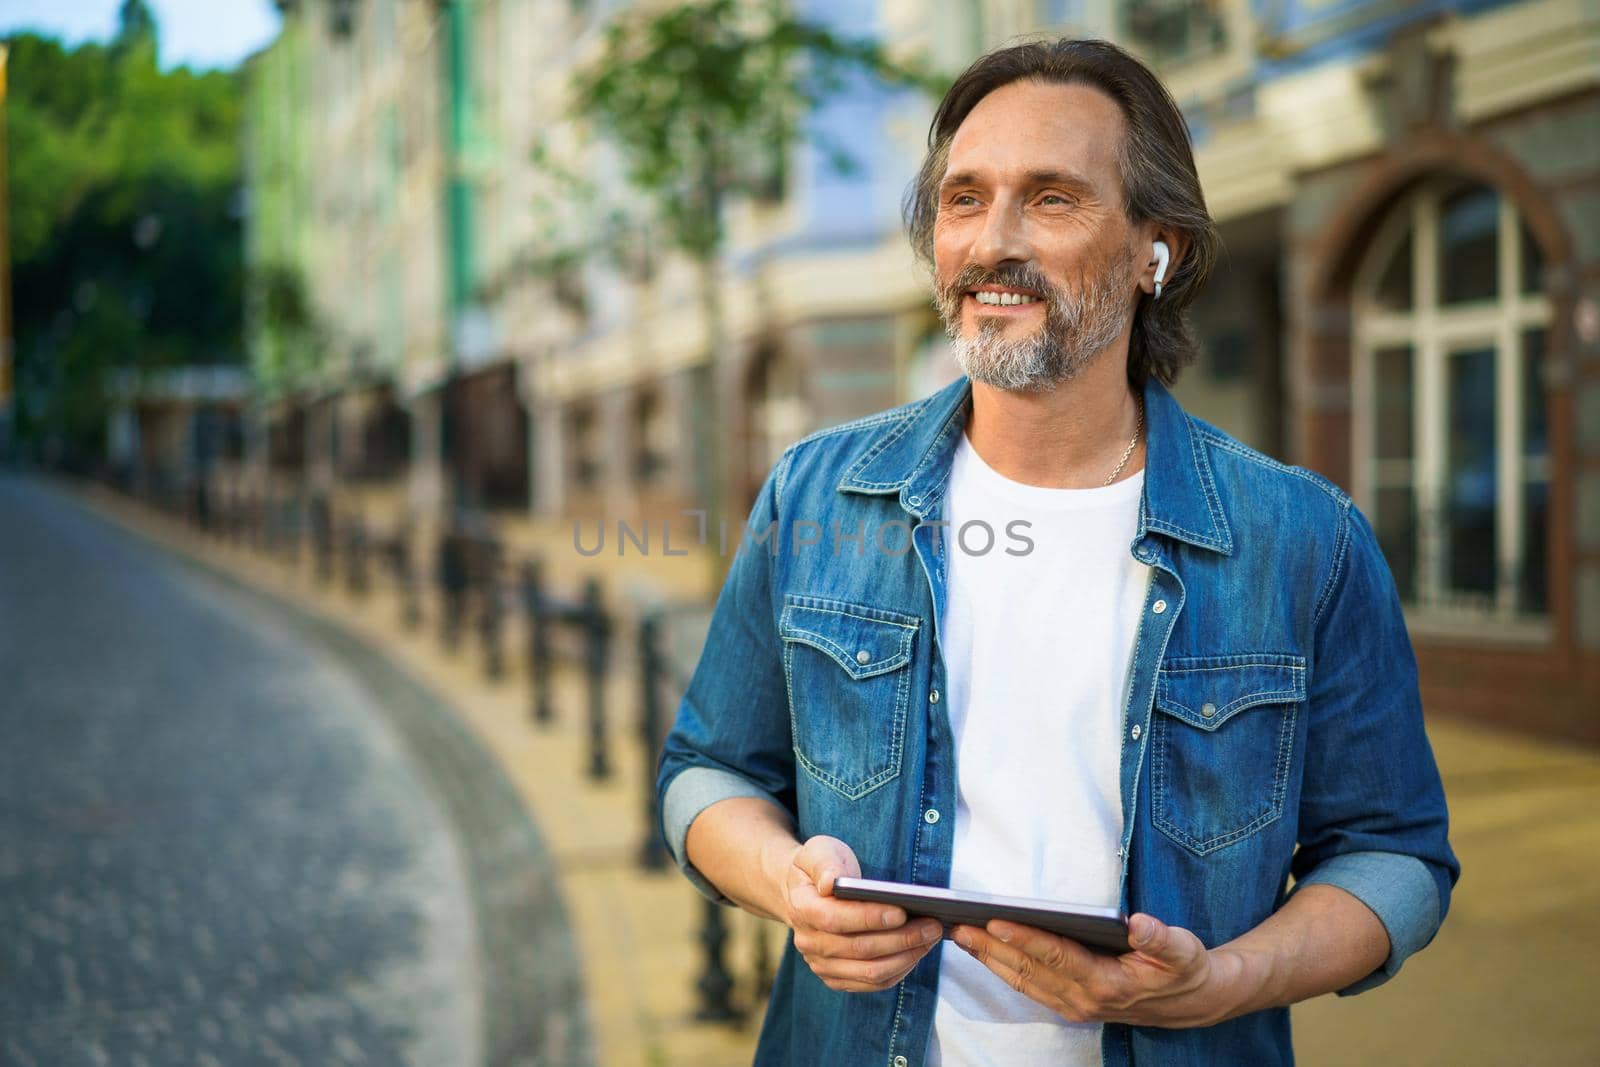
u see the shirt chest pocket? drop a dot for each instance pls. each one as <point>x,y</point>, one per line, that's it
<point>1222,745</point>
<point>848,671</point>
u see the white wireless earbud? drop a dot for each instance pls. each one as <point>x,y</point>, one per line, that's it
<point>1162,255</point>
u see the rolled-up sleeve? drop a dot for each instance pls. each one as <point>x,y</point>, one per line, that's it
<point>1373,819</point>
<point>731,736</point>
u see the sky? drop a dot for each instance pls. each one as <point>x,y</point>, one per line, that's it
<point>200,33</point>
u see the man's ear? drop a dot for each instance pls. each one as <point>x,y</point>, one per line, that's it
<point>1177,247</point>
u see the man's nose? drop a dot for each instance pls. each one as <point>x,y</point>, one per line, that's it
<point>1003,238</point>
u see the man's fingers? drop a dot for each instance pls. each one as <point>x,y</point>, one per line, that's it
<point>1030,951</point>
<point>912,937</point>
<point>1171,946</point>
<point>825,859</point>
<point>861,976</point>
<point>824,875</point>
<point>845,916</point>
<point>1062,955</point>
<point>1026,971</point>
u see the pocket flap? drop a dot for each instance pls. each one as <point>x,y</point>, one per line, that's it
<point>1207,691</point>
<point>863,640</point>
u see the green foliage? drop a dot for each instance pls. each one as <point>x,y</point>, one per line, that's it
<point>703,99</point>
<point>290,341</point>
<point>126,240</point>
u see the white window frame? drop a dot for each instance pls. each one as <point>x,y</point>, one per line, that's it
<point>1434,333</point>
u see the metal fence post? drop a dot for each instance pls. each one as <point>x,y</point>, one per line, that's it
<point>715,983</point>
<point>405,577</point>
<point>297,528</point>
<point>322,537</point>
<point>653,851</point>
<point>538,639</point>
<point>761,962</point>
<point>355,565</point>
<point>452,585</point>
<point>491,613</point>
<point>599,633</point>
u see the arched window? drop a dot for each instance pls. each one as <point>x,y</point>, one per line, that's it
<point>1451,454</point>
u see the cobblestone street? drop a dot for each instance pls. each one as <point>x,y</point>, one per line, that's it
<point>229,836</point>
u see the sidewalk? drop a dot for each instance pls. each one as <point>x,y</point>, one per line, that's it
<point>1509,979</point>
<point>635,931</point>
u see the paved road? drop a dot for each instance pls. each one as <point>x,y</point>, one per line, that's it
<point>231,836</point>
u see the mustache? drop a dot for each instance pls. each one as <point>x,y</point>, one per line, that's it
<point>1012,275</point>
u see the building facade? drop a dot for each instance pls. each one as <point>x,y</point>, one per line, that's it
<point>1409,303</point>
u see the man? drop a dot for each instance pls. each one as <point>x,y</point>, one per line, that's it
<point>1184,679</point>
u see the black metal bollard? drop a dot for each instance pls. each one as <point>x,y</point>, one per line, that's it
<point>399,552</point>
<point>491,612</point>
<point>271,520</point>
<point>653,851</point>
<point>452,586</point>
<point>764,973</point>
<point>294,529</point>
<point>297,529</point>
<point>201,502</point>
<point>355,560</point>
<point>715,983</point>
<point>538,639</point>
<point>598,629</point>
<point>272,525</point>
<point>252,521</point>
<point>322,537</point>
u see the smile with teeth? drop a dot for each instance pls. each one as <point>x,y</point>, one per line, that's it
<point>1004,299</point>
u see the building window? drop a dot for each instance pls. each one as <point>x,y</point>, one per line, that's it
<point>1175,31</point>
<point>652,438</point>
<point>1451,453</point>
<point>582,437</point>
<point>778,414</point>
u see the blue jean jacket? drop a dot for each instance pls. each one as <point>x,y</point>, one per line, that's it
<point>1272,726</point>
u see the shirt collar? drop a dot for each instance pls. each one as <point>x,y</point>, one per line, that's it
<point>911,456</point>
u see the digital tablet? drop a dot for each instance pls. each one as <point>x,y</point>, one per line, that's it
<point>1102,930</point>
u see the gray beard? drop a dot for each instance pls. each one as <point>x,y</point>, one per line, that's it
<point>1076,329</point>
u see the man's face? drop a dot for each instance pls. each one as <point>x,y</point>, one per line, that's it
<point>1034,260</point>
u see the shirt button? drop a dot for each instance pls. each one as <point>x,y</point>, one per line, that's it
<point>863,656</point>
<point>1207,710</point>
<point>1159,606</point>
<point>1136,731</point>
<point>901,1061</point>
<point>933,697</point>
<point>930,816</point>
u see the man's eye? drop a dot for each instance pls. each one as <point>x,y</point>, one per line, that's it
<point>1054,198</point>
<point>963,200</point>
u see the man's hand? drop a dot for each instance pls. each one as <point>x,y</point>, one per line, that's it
<point>851,945</point>
<point>1169,979</point>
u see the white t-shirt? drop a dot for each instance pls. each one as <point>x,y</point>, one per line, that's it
<point>1037,649</point>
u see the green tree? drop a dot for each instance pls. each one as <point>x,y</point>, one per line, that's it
<point>703,100</point>
<point>126,238</point>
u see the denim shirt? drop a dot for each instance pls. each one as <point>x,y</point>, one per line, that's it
<point>1272,725</point>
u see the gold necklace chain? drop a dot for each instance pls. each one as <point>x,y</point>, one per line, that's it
<point>1137,426</point>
